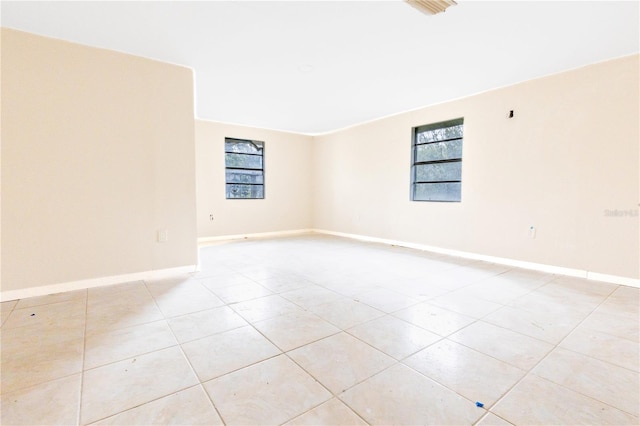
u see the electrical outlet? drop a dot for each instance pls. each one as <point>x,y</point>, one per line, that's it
<point>210,217</point>
<point>163,235</point>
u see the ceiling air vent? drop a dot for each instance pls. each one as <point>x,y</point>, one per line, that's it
<point>431,7</point>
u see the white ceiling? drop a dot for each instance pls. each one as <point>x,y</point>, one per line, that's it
<point>313,67</point>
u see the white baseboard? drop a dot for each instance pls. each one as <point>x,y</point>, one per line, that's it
<point>615,279</point>
<point>203,241</point>
<point>163,273</point>
<point>93,282</point>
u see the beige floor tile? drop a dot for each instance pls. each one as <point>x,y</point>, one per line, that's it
<point>386,300</point>
<point>340,361</point>
<point>9,304</point>
<point>176,298</point>
<point>294,330</point>
<point>345,313</point>
<point>47,315</point>
<point>40,337</point>
<point>222,353</point>
<point>307,297</point>
<point>419,289</point>
<point>619,324</point>
<point>51,403</point>
<point>205,323</point>
<point>615,350</point>
<point>31,355</point>
<point>4,314</point>
<point>131,289</point>
<point>242,292</point>
<point>542,302</point>
<point>270,392</point>
<point>492,420</point>
<point>51,298</point>
<point>434,319</point>
<point>210,269</point>
<point>226,280</point>
<point>401,396</point>
<point>519,274</point>
<point>463,303</point>
<point>619,306</point>
<point>470,373</point>
<point>538,401</point>
<point>393,336</point>
<point>547,326</point>
<point>125,313</point>
<point>118,308</point>
<point>514,348</point>
<point>576,297</point>
<point>488,268</point>
<point>104,347</point>
<point>332,412</point>
<point>624,298</point>
<point>599,380</point>
<point>351,287</point>
<point>117,387</point>
<point>282,284</point>
<point>5,310</point>
<point>501,290</point>
<point>316,279</point>
<point>265,307</point>
<point>583,287</point>
<point>463,276</point>
<point>188,407</point>
<point>455,261</point>
<point>160,286</point>
<point>263,272</point>
<point>449,279</point>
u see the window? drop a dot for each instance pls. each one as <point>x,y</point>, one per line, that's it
<point>436,171</point>
<point>244,162</point>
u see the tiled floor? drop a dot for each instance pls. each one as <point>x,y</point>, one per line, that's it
<point>320,330</point>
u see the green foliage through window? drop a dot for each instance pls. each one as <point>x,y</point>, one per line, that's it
<point>436,170</point>
<point>244,162</point>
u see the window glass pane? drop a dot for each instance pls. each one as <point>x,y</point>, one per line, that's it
<point>439,151</point>
<point>243,161</point>
<point>451,132</point>
<point>247,147</point>
<point>437,191</point>
<point>244,168</point>
<point>245,191</point>
<point>438,172</point>
<point>245,176</point>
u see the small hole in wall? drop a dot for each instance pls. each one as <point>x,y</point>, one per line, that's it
<point>510,114</point>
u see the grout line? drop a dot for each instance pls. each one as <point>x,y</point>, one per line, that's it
<point>22,389</point>
<point>185,357</point>
<point>487,414</point>
<point>287,354</point>
<point>333,395</point>
<point>326,260</point>
<point>475,320</point>
<point>555,347</point>
<point>146,402</point>
<point>602,360</point>
<point>84,356</point>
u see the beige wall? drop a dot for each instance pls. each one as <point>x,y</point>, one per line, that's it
<point>98,153</point>
<point>569,154</point>
<point>287,202</point>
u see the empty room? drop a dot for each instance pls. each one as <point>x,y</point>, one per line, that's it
<point>320,212</point>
